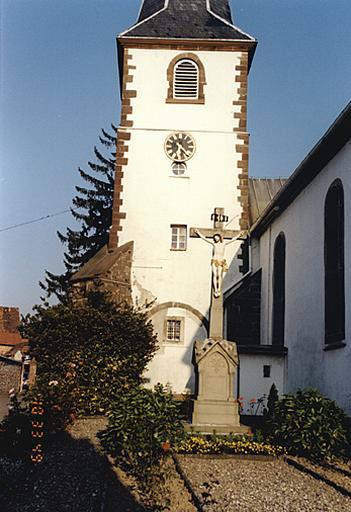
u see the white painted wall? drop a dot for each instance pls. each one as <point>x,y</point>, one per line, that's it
<point>252,383</point>
<point>154,198</point>
<point>173,362</point>
<point>303,226</point>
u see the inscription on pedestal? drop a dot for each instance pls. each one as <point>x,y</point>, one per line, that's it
<point>215,375</point>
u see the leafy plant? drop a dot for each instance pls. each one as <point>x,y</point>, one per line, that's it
<point>310,425</point>
<point>58,403</point>
<point>143,425</point>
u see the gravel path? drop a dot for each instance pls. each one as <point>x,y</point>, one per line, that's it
<point>73,477</point>
<point>76,477</point>
<point>117,498</point>
<point>338,473</point>
<point>249,486</point>
<point>70,478</point>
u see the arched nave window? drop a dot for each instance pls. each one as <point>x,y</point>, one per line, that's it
<point>334,264</point>
<point>278,319</point>
<point>186,79</point>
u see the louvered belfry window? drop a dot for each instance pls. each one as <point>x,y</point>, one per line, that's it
<point>186,80</point>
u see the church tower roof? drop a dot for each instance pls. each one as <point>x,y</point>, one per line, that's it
<point>186,19</point>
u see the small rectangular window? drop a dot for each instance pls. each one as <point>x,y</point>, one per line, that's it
<point>266,371</point>
<point>174,330</point>
<point>179,238</point>
<point>173,333</point>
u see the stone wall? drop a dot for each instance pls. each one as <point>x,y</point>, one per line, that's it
<point>117,279</point>
<point>10,375</point>
<point>111,273</point>
<point>9,319</point>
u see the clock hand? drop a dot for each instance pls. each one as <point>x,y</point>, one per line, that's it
<point>179,150</point>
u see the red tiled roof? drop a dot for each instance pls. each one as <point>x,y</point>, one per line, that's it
<point>11,338</point>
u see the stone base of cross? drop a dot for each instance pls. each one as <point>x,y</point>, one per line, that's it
<point>216,236</point>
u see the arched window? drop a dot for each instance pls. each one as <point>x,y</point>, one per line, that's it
<point>279,291</point>
<point>186,79</point>
<point>334,264</point>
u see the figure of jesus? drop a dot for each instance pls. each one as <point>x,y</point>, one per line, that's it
<point>218,262</point>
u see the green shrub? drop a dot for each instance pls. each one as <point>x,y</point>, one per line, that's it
<point>16,429</point>
<point>310,425</point>
<point>58,403</point>
<point>96,345</point>
<point>142,426</point>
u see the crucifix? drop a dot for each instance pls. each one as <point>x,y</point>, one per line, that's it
<point>216,236</point>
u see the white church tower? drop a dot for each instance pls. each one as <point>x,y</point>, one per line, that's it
<point>182,151</point>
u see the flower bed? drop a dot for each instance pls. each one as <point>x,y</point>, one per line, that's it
<point>237,446</point>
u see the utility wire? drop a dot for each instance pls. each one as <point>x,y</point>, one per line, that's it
<point>37,220</point>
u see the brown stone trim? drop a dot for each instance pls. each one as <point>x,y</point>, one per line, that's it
<point>124,135</point>
<point>129,94</point>
<point>242,147</point>
<point>127,109</point>
<point>187,44</point>
<point>184,101</point>
<point>181,305</point>
<point>122,149</point>
<point>170,77</point>
<point>241,115</point>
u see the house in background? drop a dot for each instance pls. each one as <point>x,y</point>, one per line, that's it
<point>11,342</point>
<point>17,370</point>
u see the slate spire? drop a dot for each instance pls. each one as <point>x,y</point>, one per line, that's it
<point>219,7</point>
<point>222,9</point>
<point>150,7</point>
<point>186,19</point>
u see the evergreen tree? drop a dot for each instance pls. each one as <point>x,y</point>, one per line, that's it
<point>92,208</point>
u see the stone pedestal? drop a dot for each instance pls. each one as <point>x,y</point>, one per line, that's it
<point>215,408</point>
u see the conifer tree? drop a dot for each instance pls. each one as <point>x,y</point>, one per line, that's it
<point>92,209</point>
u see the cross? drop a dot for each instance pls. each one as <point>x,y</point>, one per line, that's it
<point>218,265</point>
<point>219,221</point>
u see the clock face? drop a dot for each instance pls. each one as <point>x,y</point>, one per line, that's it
<point>180,146</point>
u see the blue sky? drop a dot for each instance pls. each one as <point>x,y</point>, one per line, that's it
<point>59,87</point>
